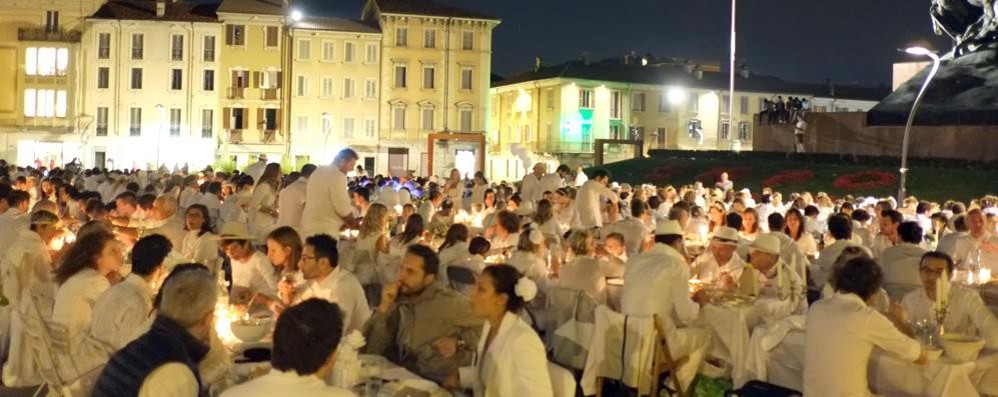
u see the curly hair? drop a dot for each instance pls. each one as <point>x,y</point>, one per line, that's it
<point>81,255</point>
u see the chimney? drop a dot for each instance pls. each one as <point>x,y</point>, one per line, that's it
<point>160,8</point>
<point>538,63</point>
<point>689,67</point>
<point>698,74</point>
<point>745,71</point>
<point>585,58</point>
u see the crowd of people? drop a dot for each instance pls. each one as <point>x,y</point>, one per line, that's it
<point>455,278</point>
<point>778,111</point>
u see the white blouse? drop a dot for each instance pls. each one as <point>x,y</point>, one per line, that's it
<point>201,249</point>
<point>74,301</point>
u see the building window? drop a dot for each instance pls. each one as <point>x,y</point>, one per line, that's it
<point>174,122</point>
<point>239,120</point>
<point>429,38</point>
<point>398,118</point>
<point>138,41</point>
<point>528,135</point>
<point>428,75</point>
<point>725,130</point>
<point>821,109</point>
<point>662,137</point>
<point>370,89</point>
<point>369,127</point>
<point>270,119</point>
<point>550,98</point>
<point>44,103</point>
<point>401,37</point>
<point>743,104</point>
<point>101,121</point>
<point>426,121</point>
<point>176,79</point>
<point>466,77</point>
<point>744,131</point>
<point>585,98</point>
<point>207,127</point>
<point>327,87</point>
<point>348,88</point>
<point>371,53</point>
<point>103,46</point>
<point>615,104</point>
<point>209,49</point>
<point>301,123</point>
<point>46,61</point>
<point>103,77</point>
<point>349,52</point>
<point>325,125</point>
<point>725,104</point>
<point>468,41</point>
<point>177,47</point>
<point>135,122</point>
<point>663,103</point>
<point>615,131</point>
<point>136,78</point>
<point>327,51</point>
<point>271,79</point>
<point>51,21</point>
<point>209,80</point>
<point>301,89</point>
<point>400,76</point>
<point>304,50</point>
<point>271,33</point>
<point>348,126</point>
<point>235,35</point>
<point>638,102</point>
<point>464,119</point>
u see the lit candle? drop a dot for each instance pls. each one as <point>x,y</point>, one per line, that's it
<point>942,292</point>
<point>970,277</point>
<point>703,234</point>
<point>779,278</point>
<point>939,294</point>
<point>985,275</point>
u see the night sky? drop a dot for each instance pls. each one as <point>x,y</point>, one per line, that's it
<point>805,40</point>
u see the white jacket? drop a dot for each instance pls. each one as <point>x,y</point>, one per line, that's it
<point>327,202</point>
<point>587,203</point>
<point>515,364</point>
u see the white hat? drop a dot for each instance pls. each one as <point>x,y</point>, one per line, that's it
<point>726,235</point>
<point>745,190</point>
<point>262,156</point>
<point>668,227</point>
<point>615,186</point>
<point>766,243</point>
<point>235,231</point>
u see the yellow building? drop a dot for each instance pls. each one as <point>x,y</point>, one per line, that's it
<point>253,53</point>
<point>40,60</point>
<point>435,67</point>
<point>336,82</point>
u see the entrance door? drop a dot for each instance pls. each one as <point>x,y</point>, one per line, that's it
<point>99,159</point>
<point>398,161</point>
<point>369,165</point>
<point>465,162</point>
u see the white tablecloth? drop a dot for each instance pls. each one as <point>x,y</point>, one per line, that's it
<point>730,328</point>
<point>891,376</point>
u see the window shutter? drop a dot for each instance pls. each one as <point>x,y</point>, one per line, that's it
<point>235,79</point>
<point>277,119</point>
<point>260,119</point>
<point>228,34</point>
<point>256,79</point>
<point>280,79</point>
<point>226,118</point>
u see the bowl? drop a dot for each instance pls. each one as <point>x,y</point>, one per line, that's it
<point>251,330</point>
<point>962,347</point>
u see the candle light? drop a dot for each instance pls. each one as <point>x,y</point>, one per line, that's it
<point>970,277</point>
<point>779,278</point>
<point>703,233</point>
<point>985,275</point>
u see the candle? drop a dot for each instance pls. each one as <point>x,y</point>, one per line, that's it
<point>939,294</point>
<point>985,275</point>
<point>942,292</point>
<point>779,278</point>
<point>970,277</point>
<point>703,234</point>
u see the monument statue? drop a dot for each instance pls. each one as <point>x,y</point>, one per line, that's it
<point>972,24</point>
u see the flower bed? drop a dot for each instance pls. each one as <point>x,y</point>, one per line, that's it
<point>666,173</point>
<point>788,177</point>
<point>865,180</point>
<point>713,174</point>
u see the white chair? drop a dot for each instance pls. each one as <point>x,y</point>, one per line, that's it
<point>44,348</point>
<point>562,381</point>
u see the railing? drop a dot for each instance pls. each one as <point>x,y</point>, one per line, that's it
<point>236,93</point>
<point>268,136</point>
<point>38,34</point>
<point>269,94</point>
<point>235,136</point>
<point>566,147</point>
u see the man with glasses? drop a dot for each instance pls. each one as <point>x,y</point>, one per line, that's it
<point>968,315</point>
<point>324,279</point>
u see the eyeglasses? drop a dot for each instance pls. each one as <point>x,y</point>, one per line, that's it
<point>932,272</point>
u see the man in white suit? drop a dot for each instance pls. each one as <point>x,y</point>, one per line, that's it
<point>587,200</point>
<point>327,200</point>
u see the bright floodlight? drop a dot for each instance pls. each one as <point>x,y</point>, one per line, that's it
<point>917,51</point>
<point>676,95</point>
<point>295,15</point>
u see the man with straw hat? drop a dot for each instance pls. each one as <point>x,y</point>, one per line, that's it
<point>251,270</point>
<point>720,264</point>
<point>775,277</point>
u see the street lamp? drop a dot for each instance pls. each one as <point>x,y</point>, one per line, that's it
<point>296,15</point>
<point>159,132</point>
<point>920,51</point>
<point>731,87</point>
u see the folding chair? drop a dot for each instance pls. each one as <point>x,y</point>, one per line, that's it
<point>662,364</point>
<point>41,342</point>
<point>757,388</point>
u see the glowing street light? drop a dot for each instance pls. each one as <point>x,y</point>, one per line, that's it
<point>919,51</point>
<point>676,95</point>
<point>296,15</point>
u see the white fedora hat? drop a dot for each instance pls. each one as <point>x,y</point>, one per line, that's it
<point>235,231</point>
<point>726,235</point>
<point>766,243</point>
<point>668,227</point>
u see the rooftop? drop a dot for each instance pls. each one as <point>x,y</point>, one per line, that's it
<point>265,7</point>
<point>336,24</point>
<point>145,10</point>
<point>427,7</point>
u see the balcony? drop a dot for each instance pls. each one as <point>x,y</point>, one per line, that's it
<point>565,147</point>
<point>235,136</point>
<point>236,93</point>
<point>270,94</point>
<point>39,34</point>
<point>268,136</point>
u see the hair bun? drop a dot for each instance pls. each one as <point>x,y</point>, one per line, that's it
<point>526,289</point>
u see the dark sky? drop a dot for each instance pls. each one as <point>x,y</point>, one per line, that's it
<point>806,40</point>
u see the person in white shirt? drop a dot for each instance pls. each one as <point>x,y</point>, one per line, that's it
<point>551,182</point>
<point>840,228</point>
<point>262,209</point>
<point>635,229</point>
<point>889,221</point>
<point>233,208</point>
<point>252,272</point>
<point>725,184</point>
<point>212,200</point>
<point>327,201</point>
<point>794,228</point>
<point>900,263</point>
<point>326,280</point>
<point>453,251</point>
<point>191,192</point>
<point>842,331</point>
<point>720,264</point>
<point>587,199</point>
<point>305,341</point>
<point>162,361</point>
<point>967,315</point>
<point>656,283</point>
<point>979,247</point>
<point>84,273</point>
<point>14,219</point>
<point>199,245</point>
<point>775,278</point>
<point>530,188</point>
<point>429,207</point>
<point>255,170</point>
<point>947,243</point>
<point>361,198</point>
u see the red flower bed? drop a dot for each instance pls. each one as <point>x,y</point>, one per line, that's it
<point>866,180</point>
<point>788,177</point>
<point>713,174</point>
<point>666,173</point>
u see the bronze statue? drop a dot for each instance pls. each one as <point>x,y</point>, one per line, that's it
<point>972,24</point>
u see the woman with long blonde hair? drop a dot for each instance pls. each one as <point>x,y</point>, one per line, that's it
<point>371,250</point>
<point>263,203</point>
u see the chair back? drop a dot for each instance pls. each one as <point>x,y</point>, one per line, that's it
<point>562,382</point>
<point>62,347</point>
<point>568,325</point>
<point>461,278</point>
<point>40,344</point>
<point>756,388</point>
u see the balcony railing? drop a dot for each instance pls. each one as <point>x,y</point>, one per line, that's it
<point>39,34</point>
<point>566,147</point>
<point>270,94</point>
<point>235,136</point>
<point>268,136</point>
<point>236,93</point>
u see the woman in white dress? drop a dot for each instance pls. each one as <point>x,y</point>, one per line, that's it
<point>87,270</point>
<point>478,188</point>
<point>511,358</point>
<point>750,224</point>
<point>585,272</point>
<point>454,250</point>
<point>263,204</point>
<point>504,234</point>
<point>529,257</point>
<point>370,254</point>
<point>544,219</point>
<point>284,248</point>
<point>454,188</point>
<point>200,245</point>
<point>411,234</point>
<point>795,229</point>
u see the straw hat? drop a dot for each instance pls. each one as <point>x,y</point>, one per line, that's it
<point>766,243</point>
<point>726,235</point>
<point>235,231</point>
<point>668,227</point>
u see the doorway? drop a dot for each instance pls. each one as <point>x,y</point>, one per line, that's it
<point>398,161</point>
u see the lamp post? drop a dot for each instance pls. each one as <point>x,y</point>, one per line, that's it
<point>922,51</point>
<point>159,132</point>
<point>731,86</point>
